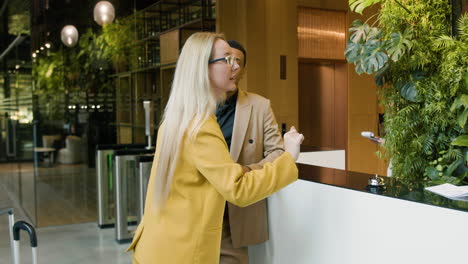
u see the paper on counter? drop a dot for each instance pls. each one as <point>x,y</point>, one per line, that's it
<point>450,191</point>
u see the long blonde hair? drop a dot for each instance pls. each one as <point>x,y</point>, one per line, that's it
<point>190,103</point>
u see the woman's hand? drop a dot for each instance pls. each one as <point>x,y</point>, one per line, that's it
<point>292,142</point>
<point>245,169</point>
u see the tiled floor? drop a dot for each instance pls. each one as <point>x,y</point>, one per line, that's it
<point>67,244</point>
<point>65,196</point>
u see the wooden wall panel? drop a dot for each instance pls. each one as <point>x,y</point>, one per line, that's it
<point>271,32</point>
<point>268,29</point>
<point>321,33</point>
<point>362,116</point>
<point>124,135</point>
<point>169,46</point>
<point>341,106</point>
<point>281,25</point>
<point>325,4</point>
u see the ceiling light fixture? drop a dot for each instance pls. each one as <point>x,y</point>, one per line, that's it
<point>104,13</point>
<point>69,35</point>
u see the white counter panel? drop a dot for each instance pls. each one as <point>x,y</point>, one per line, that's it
<point>313,223</point>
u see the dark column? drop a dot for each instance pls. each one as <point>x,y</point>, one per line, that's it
<point>3,46</point>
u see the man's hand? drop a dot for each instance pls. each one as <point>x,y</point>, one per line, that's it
<point>377,140</point>
<point>292,142</point>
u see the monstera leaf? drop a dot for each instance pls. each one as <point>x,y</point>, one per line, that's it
<point>418,75</point>
<point>368,58</point>
<point>365,49</point>
<point>359,5</point>
<point>353,51</point>
<point>373,57</point>
<point>409,92</point>
<point>381,75</point>
<point>361,32</point>
<point>399,44</point>
<point>358,31</point>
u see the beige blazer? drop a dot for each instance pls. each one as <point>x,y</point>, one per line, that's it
<point>187,230</point>
<point>256,139</point>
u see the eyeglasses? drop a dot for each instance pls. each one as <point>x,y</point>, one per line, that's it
<point>229,60</point>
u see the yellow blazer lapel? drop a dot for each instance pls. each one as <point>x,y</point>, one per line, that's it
<point>241,122</point>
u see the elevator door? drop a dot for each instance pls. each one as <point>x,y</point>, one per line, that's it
<point>323,104</point>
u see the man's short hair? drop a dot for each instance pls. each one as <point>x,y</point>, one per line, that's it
<point>236,45</point>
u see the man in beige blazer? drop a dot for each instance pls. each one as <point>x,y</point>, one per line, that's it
<point>252,134</point>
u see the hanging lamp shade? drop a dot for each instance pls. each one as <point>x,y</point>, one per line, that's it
<point>69,35</point>
<point>104,13</point>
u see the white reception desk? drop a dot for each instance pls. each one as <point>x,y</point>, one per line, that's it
<point>333,219</point>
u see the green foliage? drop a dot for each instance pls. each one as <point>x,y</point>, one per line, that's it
<point>424,86</point>
<point>370,52</point>
<point>461,141</point>
<point>19,24</point>
<point>49,73</point>
<point>409,92</point>
<point>118,38</point>
<point>441,170</point>
<point>461,102</point>
<point>87,66</point>
<point>399,44</point>
<point>359,5</point>
<point>364,48</point>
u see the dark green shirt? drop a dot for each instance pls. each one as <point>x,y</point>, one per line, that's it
<point>225,114</point>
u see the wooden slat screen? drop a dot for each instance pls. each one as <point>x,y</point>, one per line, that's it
<point>321,33</point>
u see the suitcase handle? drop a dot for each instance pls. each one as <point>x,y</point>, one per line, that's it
<point>22,225</point>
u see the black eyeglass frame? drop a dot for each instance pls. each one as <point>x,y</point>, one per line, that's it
<point>216,60</point>
<point>234,59</point>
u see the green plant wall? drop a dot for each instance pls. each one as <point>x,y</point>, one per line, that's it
<point>421,69</point>
<point>84,68</point>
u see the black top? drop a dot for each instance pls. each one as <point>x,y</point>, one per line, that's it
<point>225,116</point>
<point>358,181</point>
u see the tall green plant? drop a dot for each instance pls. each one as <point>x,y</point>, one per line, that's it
<point>422,74</point>
<point>119,38</point>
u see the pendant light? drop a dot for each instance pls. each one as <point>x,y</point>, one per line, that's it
<point>69,35</point>
<point>104,13</point>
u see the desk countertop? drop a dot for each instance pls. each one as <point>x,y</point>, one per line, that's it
<point>358,182</point>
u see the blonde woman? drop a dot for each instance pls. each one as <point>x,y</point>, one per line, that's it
<point>193,174</point>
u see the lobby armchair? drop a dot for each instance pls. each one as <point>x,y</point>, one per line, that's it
<point>72,152</point>
<point>49,141</point>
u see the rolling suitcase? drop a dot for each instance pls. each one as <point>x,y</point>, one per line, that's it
<point>14,230</point>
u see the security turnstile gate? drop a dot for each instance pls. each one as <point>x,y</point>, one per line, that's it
<point>106,181</point>
<point>143,164</point>
<point>127,182</point>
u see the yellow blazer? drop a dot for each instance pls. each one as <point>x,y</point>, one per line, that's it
<point>187,230</point>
